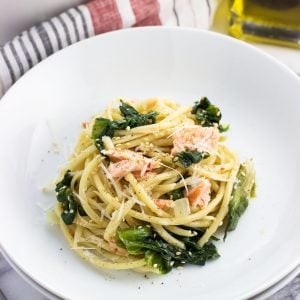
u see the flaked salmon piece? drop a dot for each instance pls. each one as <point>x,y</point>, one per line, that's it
<point>122,154</point>
<point>151,103</point>
<point>200,194</point>
<point>129,161</point>
<point>85,124</point>
<point>196,138</point>
<point>115,248</point>
<point>164,204</point>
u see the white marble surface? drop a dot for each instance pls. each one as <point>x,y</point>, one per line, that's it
<point>13,287</point>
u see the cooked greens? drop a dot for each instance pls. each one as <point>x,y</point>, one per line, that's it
<point>65,196</point>
<point>102,127</point>
<point>243,190</point>
<point>132,118</point>
<point>208,114</point>
<point>188,158</point>
<point>175,194</point>
<point>161,255</point>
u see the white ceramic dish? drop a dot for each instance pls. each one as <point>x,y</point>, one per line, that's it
<point>278,286</point>
<point>261,296</point>
<point>29,280</point>
<point>258,96</point>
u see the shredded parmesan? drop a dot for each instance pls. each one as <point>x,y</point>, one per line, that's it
<point>114,183</point>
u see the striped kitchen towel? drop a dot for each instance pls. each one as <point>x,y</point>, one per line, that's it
<point>92,18</point>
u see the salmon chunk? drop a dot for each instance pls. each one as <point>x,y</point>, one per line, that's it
<point>164,204</point>
<point>196,138</point>
<point>199,196</point>
<point>129,161</point>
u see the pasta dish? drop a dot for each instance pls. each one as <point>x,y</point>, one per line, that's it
<point>149,186</point>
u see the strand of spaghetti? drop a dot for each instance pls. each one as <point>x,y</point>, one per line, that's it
<point>143,196</point>
<point>158,178</point>
<point>164,142</point>
<point>101,245</point>
<point>97,231</point>
<point>180,231</point>
<point>199,224</point>
<point>117,218</point>
<point>179,173</point>
<point>171,180</point>
<point>77,235</point>
<point>84,141</point>
<point>93,259</point>
<point>224,207</point>
<point>164,157</point>
<point>106,197</point>
<point>108,143</point>
<point>209,161</point>
<point>127,138</point>
<point>102,193</point>
<point>89,237</point>
<point>227,152</point>
<point>106,254</point>
<point>164,234</point>
<point>110,208</point>
<point>82,222</point>
<point>75,179</point>
<point>212,175</point>
<point>91,166</point>
<point>176,114</point>
<point>165,188</point>
<point>114,183</point>
<point>139,141</point>
<point>104,211</point>
<point>214,185</point>
<point>150,128</point>
<point>162,149</point>
<point>78,160</point>
<point>106,181</point>
<point>181,220</point>
<point>220,168</point>
<point>132,222</point>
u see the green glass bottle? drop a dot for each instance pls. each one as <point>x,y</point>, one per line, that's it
<point>268,21</point>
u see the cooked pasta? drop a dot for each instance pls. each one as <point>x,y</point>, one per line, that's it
<point>149,184</point>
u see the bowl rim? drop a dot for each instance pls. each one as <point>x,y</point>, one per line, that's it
<point>272,279</point>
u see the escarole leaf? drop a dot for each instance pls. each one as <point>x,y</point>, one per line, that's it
<point>175,194</point>
<point>102,127</point>
<point>243,190</point>
<point>132,118</point>
<point>188,158</point>
<point>208,114</point>
<point>163,256</point>
<point>157,262</point>
<point>65,196</point>
<point>133,238</point>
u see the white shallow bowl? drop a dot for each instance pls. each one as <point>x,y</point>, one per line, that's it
<point>29,280</point>
<point>261,296</point>
<point>259,97</point>
<point>277,286</point>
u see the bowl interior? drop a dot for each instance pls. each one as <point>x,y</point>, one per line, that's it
<point>40,118</point>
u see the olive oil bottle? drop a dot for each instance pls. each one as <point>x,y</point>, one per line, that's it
<point>270,21</point>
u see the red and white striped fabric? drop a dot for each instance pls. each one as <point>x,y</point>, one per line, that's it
<point>95,17</point>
